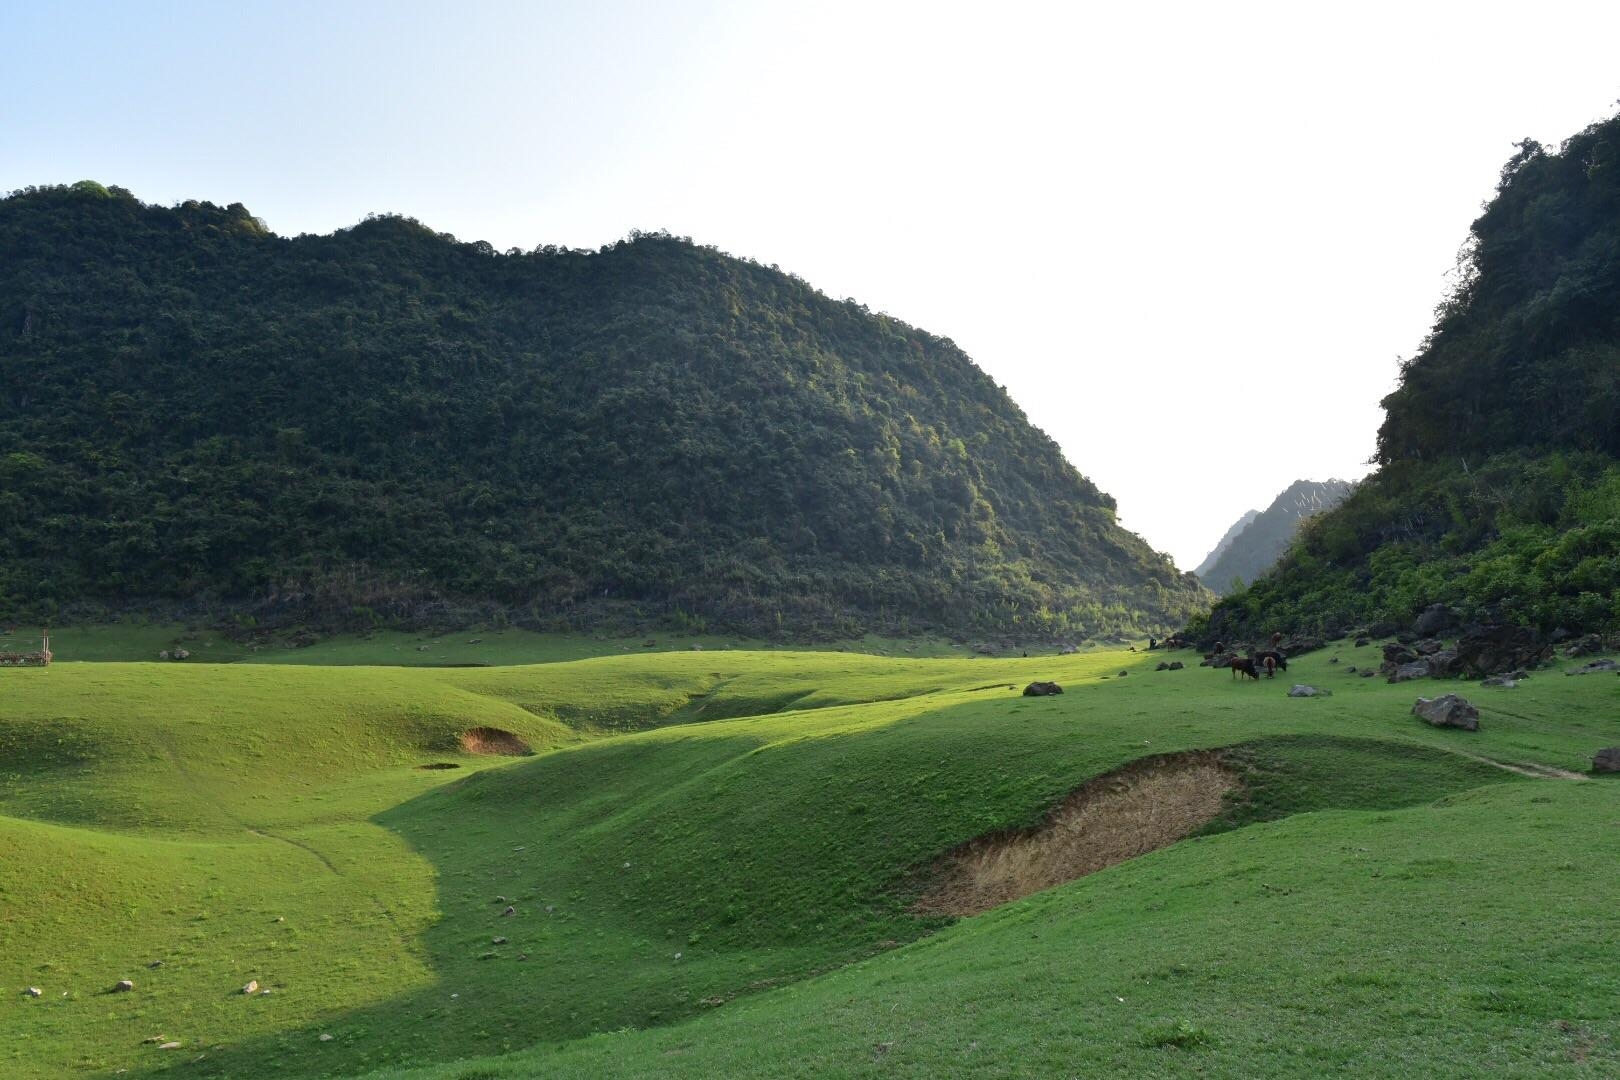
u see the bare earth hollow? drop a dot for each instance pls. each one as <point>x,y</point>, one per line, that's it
<point>1138,808</point>
<point>492,740</point>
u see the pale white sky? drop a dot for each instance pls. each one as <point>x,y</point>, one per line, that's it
<point>1190,239</point>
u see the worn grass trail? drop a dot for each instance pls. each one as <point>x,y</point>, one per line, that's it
<point>701,832</point>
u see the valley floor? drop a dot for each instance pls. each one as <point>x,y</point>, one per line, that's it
<point>708,865</point>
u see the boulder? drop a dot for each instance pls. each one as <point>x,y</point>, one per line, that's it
<point>1068,650</point>
<point>1123,674</point>
<point>1442,664</point>
<point>1428,646</point>
<point>1395,655</point>
<point>1593,666</point>
<point>1042,689</point>
<point>1590,645</point>
<point>1434,619</point>
<point>123,986</point>
<point>1502,681</point>
<point>1362,643</point>
<point>252,986</point>
<point>1489,650</point>
<point>1164,665</point>
<point>34,991</point>
<point>1417,669</point>
<point>1299,646</point>
<point>1448,711</point>
<point>1175,665</point>
<point>1368,673</point>
<point>1301,690</point>
<point>1607,760</point>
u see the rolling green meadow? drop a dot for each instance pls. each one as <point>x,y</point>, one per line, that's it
<point>710,860</point>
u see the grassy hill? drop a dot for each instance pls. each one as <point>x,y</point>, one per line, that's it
<point>714,855</point>
<point>1498,486</point>
<point>200,418</point>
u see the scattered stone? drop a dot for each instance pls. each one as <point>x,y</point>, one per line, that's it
<point>476,641</point>
<point>1417,669</point>
<point>1333,660</point>
<point>1043,689</point>
<point>1395,655</point>
<point>123,986</point>
<point>500,900</point>
<point>1434,619</point>
<point>281,918</point>
<point>1584,646</point>
<point>34,991</point>
<point>155,1039</point>
<point>1362,643</point>
<point>1176,665</point>
<point>1068,650</point>
<point>1299,646</point>
<point>182,654</point>
<point>696,647</point>
<point>497,941</point>
<point>1123,674</point>
<point>1351,670</point>
<point>155,964</point>
<point>1607,760</point>
<point>510,910</point>
<point>172,1045</point>
<point>1501,680</point>
<point>1368,673</point>
<point>1301,690</point>
<point>1164,665</point>
<point>421,648</point>
<point>1593,667</point>
<point>550,908</point>
<point>1428,646</point>
<point>1448,711</point>
<point>164,655</point>
<point>325,1037</point>
<point>253,984</point>
<point>1442,663</point>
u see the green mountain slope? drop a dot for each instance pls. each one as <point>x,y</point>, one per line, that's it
<point>1498,486</point>
<point>386,423</point>
<point>1256,546</point>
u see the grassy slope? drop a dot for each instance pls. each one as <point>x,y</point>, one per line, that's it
<point>761,849</point>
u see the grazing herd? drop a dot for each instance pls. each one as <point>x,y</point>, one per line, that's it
<point>1269,661</point>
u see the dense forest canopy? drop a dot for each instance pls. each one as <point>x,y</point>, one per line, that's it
<point>1498,487</point>
<point>388,424</point>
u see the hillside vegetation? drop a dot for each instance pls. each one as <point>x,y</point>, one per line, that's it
<point>1249,550</point>
<point>1498,483</point>
<point>699,840</point>
<point>200,417</point>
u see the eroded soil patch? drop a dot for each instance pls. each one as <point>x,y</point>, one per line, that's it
<point>439,765</point>
<point>493,740</point>
<point>1141,807</point>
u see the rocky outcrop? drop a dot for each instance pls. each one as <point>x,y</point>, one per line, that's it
<point>1042,689</point>
<point>1490,650</point>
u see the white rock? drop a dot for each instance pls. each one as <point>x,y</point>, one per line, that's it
<point>251,987</point>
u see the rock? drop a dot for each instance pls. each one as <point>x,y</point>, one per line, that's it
<point>325,1037</point>
<point>984,650</point>
<point>421,648</point>
<point>1442,663</point>
<point>476,641</point>
<point>1123,674</point>
<point>155,964</point>
<point>150,1039</point>
<point>171,1045</point>
<point>510,910</point>
<point>500,900</point>
<point>1417,669</point>
<point>1042,689</point>
<point>34,991</point>
<point>1396,654</point>
<point>1489,650</point>
<point>497,941</point>
<point>252,985</point>
<point>1368,673</point>
<point>1334,660</point>
<point>1428,646</point>
<point>550,908</point>
<point>1362,643</point>
<point>1350,670</point>
<point>182,654</point>
<point>1592,667</point>
<point>1176,665</point>
<point>1301,690</point>
<point>123,986</point>
<point>1164,665</point>
<point>696,647</point>
<point>1607,760</point>
<point>1448,711</point>
<point>1067,650</point>
<point>1299,646</point>
<point>1589,645</point>
<point>1435,618</point>
<point>1502,681</point>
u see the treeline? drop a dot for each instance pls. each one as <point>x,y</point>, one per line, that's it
<point>388,425</point>
<point>1498,487</point>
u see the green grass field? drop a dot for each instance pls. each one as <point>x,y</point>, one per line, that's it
<point>711,856</point>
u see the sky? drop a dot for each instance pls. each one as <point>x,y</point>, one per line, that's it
<point>1193,241</point>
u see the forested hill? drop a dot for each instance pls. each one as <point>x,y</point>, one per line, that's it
<point>1498,487</point>
<point>388,424</point>
<point>1254,547</point>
